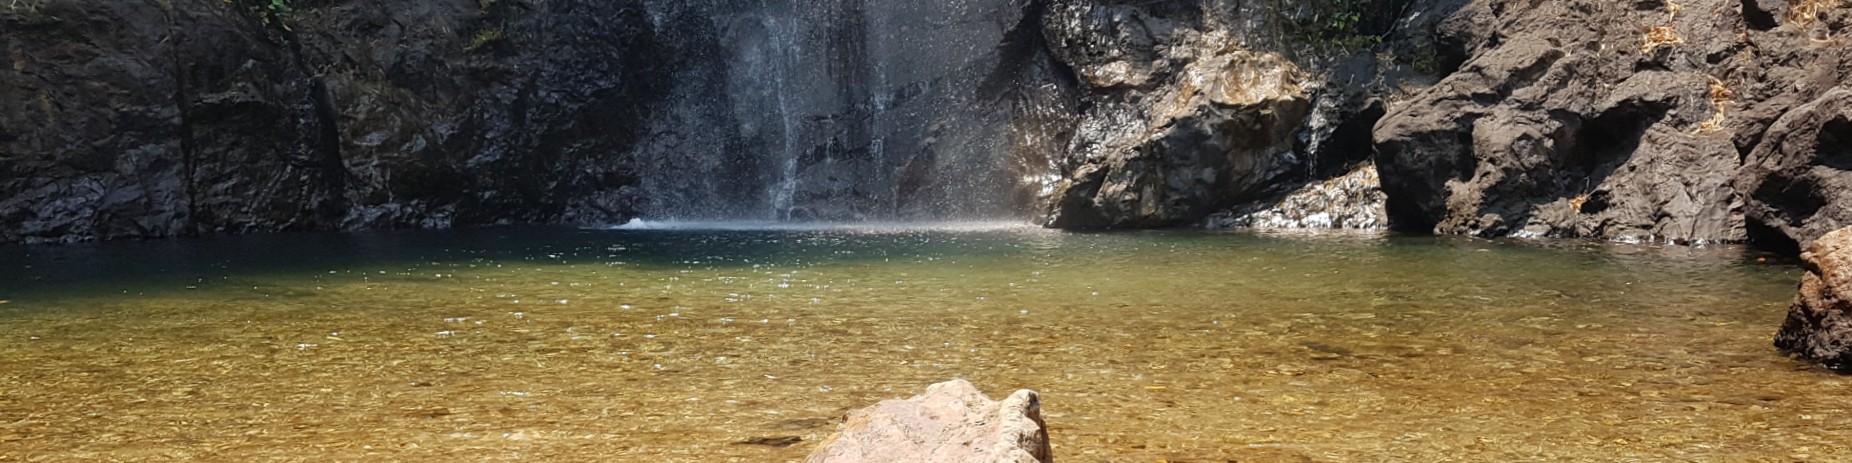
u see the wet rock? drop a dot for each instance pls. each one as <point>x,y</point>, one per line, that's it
<point>1219,129</point>
<point>951,422</point>
<point>1352,201</point>
<point>138,120</point>
<point>1819,324</point>
<point>190,117</point>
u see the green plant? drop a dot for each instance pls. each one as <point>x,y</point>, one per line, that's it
<point>270,11</point>
<point>1340,25</point>
<point>483,38</point>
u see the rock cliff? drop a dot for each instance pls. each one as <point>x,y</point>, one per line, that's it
<point>1629,120</point>
<point>145,119</point>
<point>1677,121</point>
<point>137,119</point>
<point>1681,121</point>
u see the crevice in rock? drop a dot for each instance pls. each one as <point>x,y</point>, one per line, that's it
<point>1834,149</point>
<point>1767,238</point>
<point>1798,199</point>
<point>189,147</point>
<point>1415,201</point>
<point>1024,47</point>
<point>1597,202</point>
<point>1350,143</point>
<point>1605,142</point>
<point>1756,18</point>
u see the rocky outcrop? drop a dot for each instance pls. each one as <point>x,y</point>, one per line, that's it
<point>1220,130</point>
<point>1622,120</point>
<point>1798,180</point>
<point>951,422</point>
<point>1674,121</point>
<point>1819,324</point>
<point>1182,121</point>
<point>1181,110</point>
<point>189,117</point>
<point>149,119</point>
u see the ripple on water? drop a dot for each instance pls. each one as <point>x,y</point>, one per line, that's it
<point>1146,346</point>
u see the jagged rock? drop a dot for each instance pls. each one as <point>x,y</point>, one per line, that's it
<point>1819,324</point>
<point>1351,201</point>
<point>1218,129</point>
<point>1134,153</point>
<point>1799,178</point>
<point>951,422</point>
<point>1600,119</point>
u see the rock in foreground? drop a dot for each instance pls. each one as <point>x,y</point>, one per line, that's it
<point>1819,326</point>
<point>951,422</point>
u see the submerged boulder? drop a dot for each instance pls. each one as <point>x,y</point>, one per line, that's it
<point>951,422</point>
<point>1819,325</point>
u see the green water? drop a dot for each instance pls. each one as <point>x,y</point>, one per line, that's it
<point>621,345</point>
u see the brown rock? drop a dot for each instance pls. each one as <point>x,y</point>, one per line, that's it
<point>1799,179</point>
<point>951,422</point>
<point>1819,325</point>
<point>1623,120</point>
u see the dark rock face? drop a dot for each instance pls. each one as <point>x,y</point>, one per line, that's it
<point>1819,324</point>
<point>1619,120</point>
<point>835,110</point>
<point>135,119</point>
<point>127,120</point>
<point>1798,181</point>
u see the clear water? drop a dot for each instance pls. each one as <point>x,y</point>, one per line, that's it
<point>677,345</point>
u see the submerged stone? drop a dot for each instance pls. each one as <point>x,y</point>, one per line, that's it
<point>951,422</point>
<point>1819,325</point>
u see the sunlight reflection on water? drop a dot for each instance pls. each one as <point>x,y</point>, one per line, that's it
<point>642,345</point>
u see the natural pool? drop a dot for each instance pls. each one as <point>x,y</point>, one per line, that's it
<point>675,345</point>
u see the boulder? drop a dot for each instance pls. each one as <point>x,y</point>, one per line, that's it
<point>1798,181</point>
<point>1819,325</point>
<point>1220,130</point>
<point>951,422</point>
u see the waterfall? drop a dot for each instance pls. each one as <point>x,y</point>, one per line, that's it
<point>831,110</point>
<point>783,37</point>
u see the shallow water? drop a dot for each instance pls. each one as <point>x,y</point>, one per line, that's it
<point>675,345</point>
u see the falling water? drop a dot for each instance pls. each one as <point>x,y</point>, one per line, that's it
<point>832,110</point>
<point>783,34</point>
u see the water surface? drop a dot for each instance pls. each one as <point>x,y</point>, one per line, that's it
<point>676,345</point>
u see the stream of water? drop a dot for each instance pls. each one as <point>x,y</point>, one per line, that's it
<point>677,342</point>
